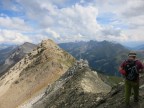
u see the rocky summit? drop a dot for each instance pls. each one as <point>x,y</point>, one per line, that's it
<point>32,74</point>
<point>79,87</point>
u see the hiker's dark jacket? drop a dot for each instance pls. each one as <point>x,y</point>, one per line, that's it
<point>139,66</point>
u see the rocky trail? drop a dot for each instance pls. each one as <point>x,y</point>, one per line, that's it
<point>115,98</point>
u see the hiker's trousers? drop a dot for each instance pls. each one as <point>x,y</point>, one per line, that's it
<point>129,85</point>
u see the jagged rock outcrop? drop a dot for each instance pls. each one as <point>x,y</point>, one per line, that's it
<point>31,75</point>
<point>14,55</point>
<point>79,87</point>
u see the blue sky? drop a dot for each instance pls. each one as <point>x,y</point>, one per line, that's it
<point>72,20</point>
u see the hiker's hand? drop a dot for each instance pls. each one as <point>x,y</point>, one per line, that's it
<point>122,71</point>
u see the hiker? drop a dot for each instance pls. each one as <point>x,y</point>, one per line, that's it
<point>130,69</point>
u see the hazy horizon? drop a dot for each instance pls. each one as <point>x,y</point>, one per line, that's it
<point>128,44</point>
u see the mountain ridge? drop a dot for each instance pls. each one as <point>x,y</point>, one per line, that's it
<point>69,92</point>
<point>76,88</point>
<point>33,74</point>
<point>15,54</point>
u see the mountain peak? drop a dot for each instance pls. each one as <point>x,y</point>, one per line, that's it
<point>27,43</point>
<point>48,44</point>
<point>103,56</point>
<point>32,74</point>
<point>13,55</point>
<point>26,47</point>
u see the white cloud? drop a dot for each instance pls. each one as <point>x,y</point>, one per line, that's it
<point>64,22</point>
<point>52,33</point>
<point>107,31</point>
<point>13,23</point>
<point>133,8</point>
<point>37,38</point>
<point>12,36</point>
<point>128,15</point>
<point>67,20</point>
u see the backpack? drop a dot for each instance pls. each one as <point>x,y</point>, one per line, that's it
<point>131,70</point>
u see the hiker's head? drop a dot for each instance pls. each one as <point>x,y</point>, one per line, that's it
<point>132,55</point>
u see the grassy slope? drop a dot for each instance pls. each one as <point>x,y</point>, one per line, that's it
<point>111,80</point>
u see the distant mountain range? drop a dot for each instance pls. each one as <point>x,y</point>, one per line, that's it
<point>4,46</point>
<point>5,53</point>
<point>102,56</point>
<point>10,55</point>
<point>140,47</point>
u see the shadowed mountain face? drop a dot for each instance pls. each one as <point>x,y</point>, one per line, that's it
<point>79,87</point>
<point>32,74</point>
<point>4,46</point>
<point>102,56</point>
<point>11,55</point>
<point>5,53</point>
